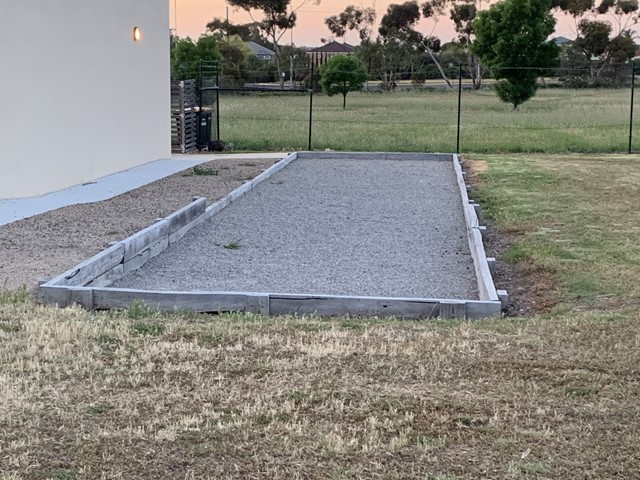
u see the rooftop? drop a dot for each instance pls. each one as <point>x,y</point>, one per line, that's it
<point>333,47</point>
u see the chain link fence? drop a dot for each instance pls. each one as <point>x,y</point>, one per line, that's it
<point>574,110</point>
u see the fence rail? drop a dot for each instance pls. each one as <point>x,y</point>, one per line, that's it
<point>430,117</point>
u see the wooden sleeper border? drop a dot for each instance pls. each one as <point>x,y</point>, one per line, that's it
<point>86,284</point>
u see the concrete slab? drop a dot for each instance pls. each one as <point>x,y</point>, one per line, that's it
<point>12,210</point>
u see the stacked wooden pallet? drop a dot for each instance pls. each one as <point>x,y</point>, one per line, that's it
<point>183,116</point>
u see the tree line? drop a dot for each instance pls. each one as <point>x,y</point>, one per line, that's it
<point>507,40</point>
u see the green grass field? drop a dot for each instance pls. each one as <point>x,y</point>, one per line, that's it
<point>555,121</point>
<point>138,394</point>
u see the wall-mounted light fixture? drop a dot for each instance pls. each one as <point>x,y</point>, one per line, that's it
<point>137,34</point>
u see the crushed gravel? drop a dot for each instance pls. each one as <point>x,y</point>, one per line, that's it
<point>48,244</point>
<point>338,227</point>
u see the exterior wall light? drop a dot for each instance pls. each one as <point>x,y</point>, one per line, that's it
<point>137,34</point>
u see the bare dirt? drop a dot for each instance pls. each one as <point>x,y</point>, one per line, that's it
<point>50,243</point>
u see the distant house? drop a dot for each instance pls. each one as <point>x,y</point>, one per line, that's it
<point>261,52</point>
<point>561,40</point>
<point>320,56</point>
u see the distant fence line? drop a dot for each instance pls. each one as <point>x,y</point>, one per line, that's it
<point>427,117</point>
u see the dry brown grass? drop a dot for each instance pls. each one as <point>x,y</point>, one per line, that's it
<point>140,395</point>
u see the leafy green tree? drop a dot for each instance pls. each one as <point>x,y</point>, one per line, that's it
<point>187,55</point>
<point>279,16</point>
<point>352,18</point>
<point>463,13</point>
<point>246,31</point>
<point>511,41</point>
<point>233,64</point>
<point>606,43</point>
<point>359,19</point>
<point>342,74</point>
<point>398,26</point>
<point>260,71</point>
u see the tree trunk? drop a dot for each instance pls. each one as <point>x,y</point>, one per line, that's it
<point>442,74</point>
<point>276,48</point>
<point>344,101</point>
<point>476,72</point>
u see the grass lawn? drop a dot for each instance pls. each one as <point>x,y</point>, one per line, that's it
<point>574,216</point>
<point>555,121</point>
<point>138,394</point>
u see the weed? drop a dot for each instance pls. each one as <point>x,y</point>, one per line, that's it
<point>10,327</point>
<point>212,340</point>
<point>263,419</point>
<point>204,171</point>
<point>517,467</point>
<point>110,340</point>
<point>579,391</point>
<point>427,441</point>
<point>20,295</point>
<point>63,474</point>
<point>150,329</point>
<point>234,245</point>
<point>469,421</point>
<point>353,324</point>
<point>98,408</point>
<point>138,309</point>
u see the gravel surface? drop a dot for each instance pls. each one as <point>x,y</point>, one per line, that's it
<point>50,243</point>
<point>340,227</point>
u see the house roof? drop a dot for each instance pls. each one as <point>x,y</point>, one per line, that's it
<point>561,40</point>
<point>333,47</point>
<point>258,49</point>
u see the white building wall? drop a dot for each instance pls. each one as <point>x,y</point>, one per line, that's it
<point>79,99</point>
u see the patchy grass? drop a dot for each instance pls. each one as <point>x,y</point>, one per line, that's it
<point>99,395</point>
<point>575,217</point>
<point>555,120</point>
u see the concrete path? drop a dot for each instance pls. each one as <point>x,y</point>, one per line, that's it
<point>110,186</point>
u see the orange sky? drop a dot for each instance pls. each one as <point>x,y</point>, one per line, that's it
<point>193,15</point>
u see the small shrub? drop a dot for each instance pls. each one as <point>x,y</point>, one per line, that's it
<point>203,171</point>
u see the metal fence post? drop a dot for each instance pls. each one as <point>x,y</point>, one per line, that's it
<point>311,107</point>
<point>217,104</point>
<point>200,87</point>
<point>459,108</point>
<point>633,87</point>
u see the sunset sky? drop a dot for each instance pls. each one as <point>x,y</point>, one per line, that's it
<point>193,15</point>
